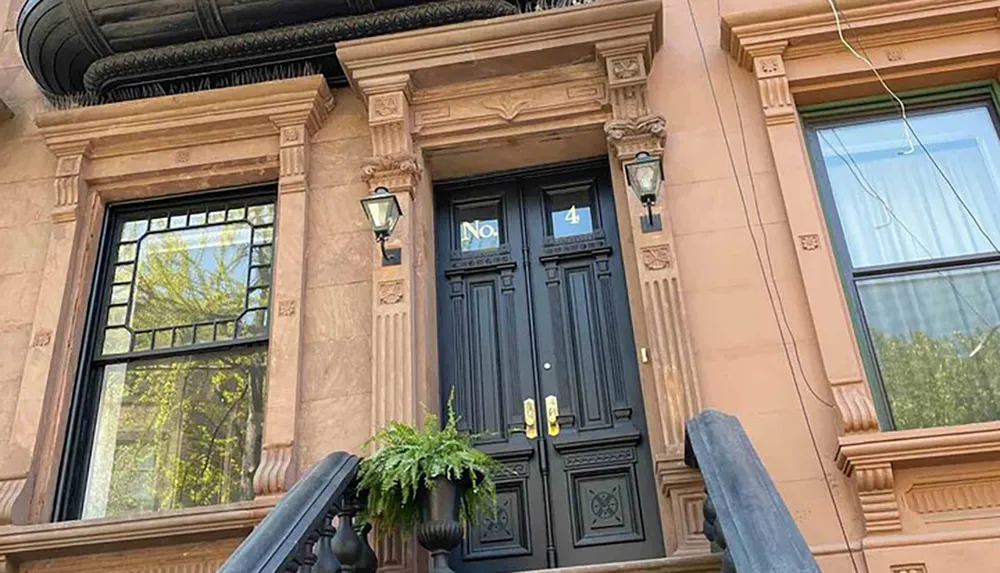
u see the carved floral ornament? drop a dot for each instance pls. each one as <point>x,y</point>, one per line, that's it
<point>631,136</point>
<point>657,257</point>
<point>390,292</point>
<point>400,163</point>
<point>626,68</point>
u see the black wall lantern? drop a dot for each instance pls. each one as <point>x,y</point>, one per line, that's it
<point>645,177</point>
<point>383,212</point>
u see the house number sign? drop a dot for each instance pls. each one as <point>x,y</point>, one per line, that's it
<point>478,235</point>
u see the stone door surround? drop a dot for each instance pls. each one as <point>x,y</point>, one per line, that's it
<point>455,100</point>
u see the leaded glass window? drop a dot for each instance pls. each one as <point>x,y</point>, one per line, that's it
<point>178,362</point>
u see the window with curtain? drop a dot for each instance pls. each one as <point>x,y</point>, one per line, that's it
<point>171,409</point>
<point>919,230</point>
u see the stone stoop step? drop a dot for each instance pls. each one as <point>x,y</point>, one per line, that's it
<point>687,564</point>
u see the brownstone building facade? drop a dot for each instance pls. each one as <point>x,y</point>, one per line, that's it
<point>821,269</point>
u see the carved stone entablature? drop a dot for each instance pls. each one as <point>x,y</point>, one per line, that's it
<point>630,136</point>
<point>398,172</point>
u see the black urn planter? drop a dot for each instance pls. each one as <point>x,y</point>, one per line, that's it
<point>440,528</point>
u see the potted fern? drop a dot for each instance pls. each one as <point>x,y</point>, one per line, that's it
<point>429,478</point>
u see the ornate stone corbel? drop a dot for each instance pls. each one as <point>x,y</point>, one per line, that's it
<point>15,498</point>
<point>879,504</point>
<point>70,185</point>
<point>772,81</point>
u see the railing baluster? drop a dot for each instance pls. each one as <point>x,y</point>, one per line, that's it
<point>346,544</point>
<point>367,560</point>
<point>326,561</point>
<point>309,553</point>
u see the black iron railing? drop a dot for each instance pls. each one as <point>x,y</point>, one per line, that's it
<point>312,528</point>
<point>745,517</point>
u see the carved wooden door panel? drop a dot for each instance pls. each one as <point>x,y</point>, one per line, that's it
<point>533,307</point>
<point>602,489</point>
<point>485,356</point>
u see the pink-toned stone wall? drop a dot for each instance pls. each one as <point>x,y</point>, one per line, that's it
<point>26,170</point>
<point>743,366</point>
<point>336,394</point>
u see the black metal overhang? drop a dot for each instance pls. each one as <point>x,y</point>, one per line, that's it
<point>113,50</point>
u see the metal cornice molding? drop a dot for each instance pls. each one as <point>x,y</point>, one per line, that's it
<point>61,40</point>
<point>312,42</point>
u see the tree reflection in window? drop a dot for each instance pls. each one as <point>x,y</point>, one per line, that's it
<point>175,429</point>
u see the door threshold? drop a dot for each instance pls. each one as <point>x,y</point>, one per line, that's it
<point>707,563</point>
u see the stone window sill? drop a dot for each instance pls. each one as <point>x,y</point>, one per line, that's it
<point>874,459</point>
<point>100,535</point>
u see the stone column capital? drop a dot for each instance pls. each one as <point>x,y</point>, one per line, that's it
<point>399,172</point>
<point>630,136</point>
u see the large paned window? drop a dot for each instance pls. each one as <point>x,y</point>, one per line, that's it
<point>169,408</point>
<point>919,230</point>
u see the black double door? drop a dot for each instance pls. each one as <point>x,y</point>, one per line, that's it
<point>536,340</point>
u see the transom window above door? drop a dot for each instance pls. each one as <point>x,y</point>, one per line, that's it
<point>918,230</point>
<point>169,411</point>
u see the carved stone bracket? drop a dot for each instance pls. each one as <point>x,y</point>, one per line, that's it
<point>879,504</point>
<point>276,472</point>
<point>854,401</point>
<point>772,81</point>
<point>14,499</point>
<point>70,183</point>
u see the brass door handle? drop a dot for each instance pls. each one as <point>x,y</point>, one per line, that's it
<point>552,414</point>
<point>530,419</point>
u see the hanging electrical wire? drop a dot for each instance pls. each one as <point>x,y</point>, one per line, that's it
<point>907,129</point>
<point>868,188</point>
<point>911,133</point>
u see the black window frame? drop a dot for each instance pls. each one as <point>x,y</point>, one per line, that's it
<point>74,462</point>
<point>815,118</point>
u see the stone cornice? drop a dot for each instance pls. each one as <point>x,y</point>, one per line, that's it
<point>809,29</point>
<point>93,535</point>
<point>473,42</point>
<point>913,445</point>
<point>214,116</point>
